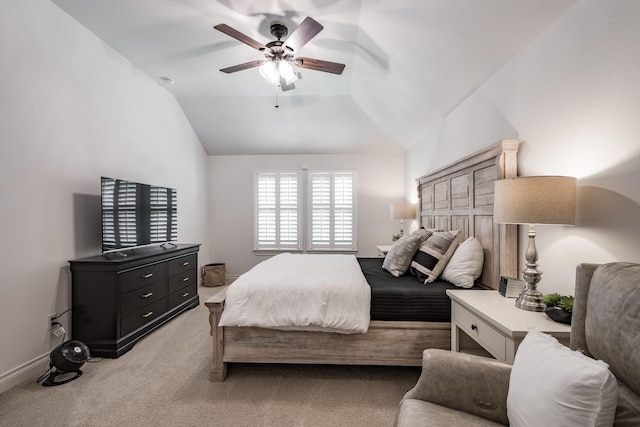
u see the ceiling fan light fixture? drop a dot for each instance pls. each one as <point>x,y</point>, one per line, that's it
<point>274,71</point>
<point>269,71</point>
<point>286,72</point>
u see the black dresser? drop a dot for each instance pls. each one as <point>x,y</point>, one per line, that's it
<point>117,300</point>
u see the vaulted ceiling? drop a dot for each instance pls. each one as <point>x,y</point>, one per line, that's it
<point>408,64</point>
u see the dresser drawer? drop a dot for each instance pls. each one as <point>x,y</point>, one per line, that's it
<point>492,340</point>
<point>142,316</point>
<point>141,297</point>
<point>183,279</point>
<point>141,277</point>
<point>178,297</point>
<point>182,264</point>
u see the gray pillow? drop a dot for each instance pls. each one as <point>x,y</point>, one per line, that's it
<point>401,253</point>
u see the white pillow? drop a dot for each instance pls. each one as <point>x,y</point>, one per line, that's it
<point>552,385</point>
<point>465,266</point>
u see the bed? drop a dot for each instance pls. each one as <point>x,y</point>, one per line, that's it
<point>456,197</point>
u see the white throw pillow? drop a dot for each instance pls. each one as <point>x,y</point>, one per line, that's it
<point>552,385</point>
<point>465,266</point>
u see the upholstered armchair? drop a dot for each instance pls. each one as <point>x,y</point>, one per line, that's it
<point>456,389</point>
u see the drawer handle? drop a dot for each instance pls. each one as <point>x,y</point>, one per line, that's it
<point>146,276</point>
<point>147,314</point>
<point>147,295</point>
<point>186,294</point>
<point>474,328</point>
<point>184,264</point>
<point>186,279</point>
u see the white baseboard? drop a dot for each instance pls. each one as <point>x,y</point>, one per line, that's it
<point>29,370</point>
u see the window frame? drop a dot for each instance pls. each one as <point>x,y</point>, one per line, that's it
<point>305,212</point>
<point>333,245</point>
<point>278,246</point>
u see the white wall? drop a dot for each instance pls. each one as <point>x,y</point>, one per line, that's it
<point>380,183</point>
<point>71,110</point>
<point>573,96</point>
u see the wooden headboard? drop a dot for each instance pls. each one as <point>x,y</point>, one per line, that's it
<point>460,196</point>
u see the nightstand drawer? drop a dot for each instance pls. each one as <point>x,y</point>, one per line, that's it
<point>480,331</point>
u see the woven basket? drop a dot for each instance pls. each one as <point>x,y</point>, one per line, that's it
<point>214,274</point>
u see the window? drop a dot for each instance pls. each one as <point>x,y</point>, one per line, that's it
<point>326,222</point>
<point>277,220</point>
<point>332,211</point>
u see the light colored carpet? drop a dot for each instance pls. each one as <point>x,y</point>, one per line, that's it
<point>164,381</point>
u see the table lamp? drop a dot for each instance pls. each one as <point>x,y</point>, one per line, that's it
<point>401,211</point>
<point>534,200</point>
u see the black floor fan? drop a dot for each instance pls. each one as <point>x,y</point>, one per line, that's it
<point>65,362</point>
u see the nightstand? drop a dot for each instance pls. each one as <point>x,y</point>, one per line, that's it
<point>383,249</point>
<point>488,324</point>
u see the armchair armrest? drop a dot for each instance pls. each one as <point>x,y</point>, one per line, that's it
<point>468,383</point>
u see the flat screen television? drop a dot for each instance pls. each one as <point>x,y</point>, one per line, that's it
<point>135,214</point>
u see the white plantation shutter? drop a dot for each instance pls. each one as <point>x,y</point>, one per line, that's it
<point>277,222</point>
<point>332,210</point>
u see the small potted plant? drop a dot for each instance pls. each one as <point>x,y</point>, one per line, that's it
<point>559,307</point>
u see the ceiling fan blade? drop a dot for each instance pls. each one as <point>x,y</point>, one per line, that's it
<point>301,35</point>
<point>241,67</point>
<point>320,65</point>
<point>239,36</point>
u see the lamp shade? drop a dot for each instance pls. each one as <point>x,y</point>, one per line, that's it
<point>535,200</point>
<point>402,211</point>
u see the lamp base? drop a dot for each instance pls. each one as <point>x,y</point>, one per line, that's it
<point>530,301</point>
<point>531,298</point>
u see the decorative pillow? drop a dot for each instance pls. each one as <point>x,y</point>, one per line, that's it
<point>550,383</point>
<point>423,233</point>
<point>399,256</point>
<point>465,266</point>
<point>433,255</point>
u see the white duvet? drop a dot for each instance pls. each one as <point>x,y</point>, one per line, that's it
<point>309,292</point>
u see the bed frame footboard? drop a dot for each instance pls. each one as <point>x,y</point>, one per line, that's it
<point>385,343</point>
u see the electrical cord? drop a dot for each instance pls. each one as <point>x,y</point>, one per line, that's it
<point>59,315</point>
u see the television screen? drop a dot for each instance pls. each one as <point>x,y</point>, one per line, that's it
<point>135,214</point>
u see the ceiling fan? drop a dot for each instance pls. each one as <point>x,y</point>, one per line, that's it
<point>277,67</point>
